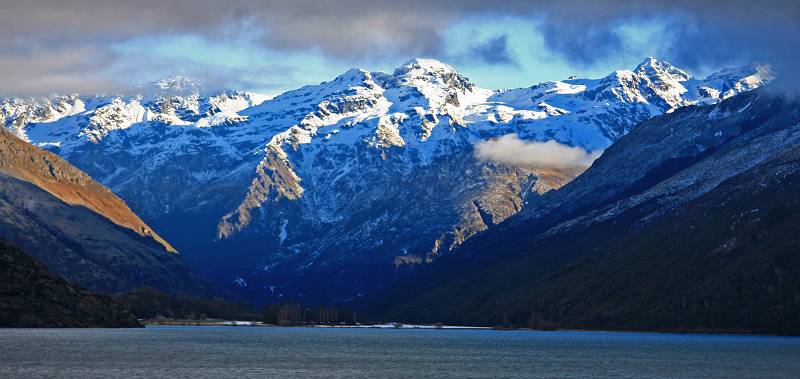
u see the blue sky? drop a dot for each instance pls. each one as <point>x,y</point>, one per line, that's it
<point>497,52</point>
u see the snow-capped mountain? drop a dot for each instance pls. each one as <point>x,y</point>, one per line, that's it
<point>691,219</point>
<point>328,190</point>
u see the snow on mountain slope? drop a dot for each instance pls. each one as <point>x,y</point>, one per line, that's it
<point>340,182</point>
<point>693,210</point>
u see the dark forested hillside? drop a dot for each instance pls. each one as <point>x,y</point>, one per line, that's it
<point>730,260</point>
<point>32,296</point>
<point>148,303</point>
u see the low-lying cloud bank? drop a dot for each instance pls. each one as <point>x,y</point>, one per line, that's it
<point>511,150</point>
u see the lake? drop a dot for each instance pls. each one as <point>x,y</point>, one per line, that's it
<point>212,352</point>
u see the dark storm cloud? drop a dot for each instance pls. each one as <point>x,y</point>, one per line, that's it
<point>578,29</point>
<point>494,51</point>
<point>705,33</point>
<point>702,33</point>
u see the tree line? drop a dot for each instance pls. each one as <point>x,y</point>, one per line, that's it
<point>293,314</point>
<point>148,303</point>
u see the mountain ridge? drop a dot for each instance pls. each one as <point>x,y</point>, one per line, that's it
<point>707,242</point>
<point>81,230</point>
<point>51,173</point>
<point>309,185</point>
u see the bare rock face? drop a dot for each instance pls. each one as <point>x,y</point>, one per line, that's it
<point>275,180</point>
<point>32,296</point>
<point>333,190</point>
<point>503,196</point>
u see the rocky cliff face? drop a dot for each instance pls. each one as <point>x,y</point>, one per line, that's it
<point>32,296</point>
<point>331,190</point>
<point>79,229</point>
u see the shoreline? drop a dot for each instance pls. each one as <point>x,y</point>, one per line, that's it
<point>236,323</point>
<point>259,324</point>
<point>213,322</point>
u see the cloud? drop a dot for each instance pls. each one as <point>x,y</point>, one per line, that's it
<point>702,34</point>
<point>38,71</point>
<point>511,150</point>
<point>494,51</point>
<point>580,30</point>
<point>341,28</point>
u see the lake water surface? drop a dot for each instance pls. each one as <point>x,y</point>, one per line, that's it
<point>213,352</point>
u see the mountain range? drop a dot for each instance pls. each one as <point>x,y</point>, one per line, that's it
<point>346,189</point>
<point>689,222</point>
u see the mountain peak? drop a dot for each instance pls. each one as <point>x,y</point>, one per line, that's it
<point>654,67</point>
<point>425,65</point>
<point>354,75</point>
<point>177,85</point>
<point>649,61</point>
<point>430,74</point>
<point>425,62</point>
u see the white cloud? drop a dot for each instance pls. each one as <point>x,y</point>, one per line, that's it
<point>511,150</point>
